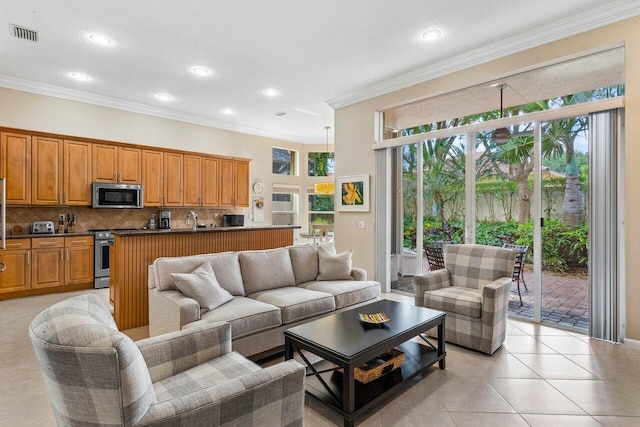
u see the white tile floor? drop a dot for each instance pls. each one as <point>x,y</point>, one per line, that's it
<point>541,377</point>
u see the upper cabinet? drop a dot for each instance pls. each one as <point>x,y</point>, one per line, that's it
<point>47,170</point>
<point>112,163</point>
<point>172,179</point>
<point>77,173</point>
<point>234,183</point>
<point>15,166</point>
<point>152,173</point>
<point>50,171</point>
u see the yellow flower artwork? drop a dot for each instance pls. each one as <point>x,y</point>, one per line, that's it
<point>352,193</point>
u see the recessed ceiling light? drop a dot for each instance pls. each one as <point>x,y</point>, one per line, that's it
<point>201,71</point>
<point>431,34</point>
<point>271,92</point>
<point>164,97</point>
<point>80,76</point>
<point>100,39</point>
<point>227,111</point>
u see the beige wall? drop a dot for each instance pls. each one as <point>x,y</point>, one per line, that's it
<point>355,134</point>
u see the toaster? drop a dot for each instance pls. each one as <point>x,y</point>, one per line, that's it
<point>42,227</point>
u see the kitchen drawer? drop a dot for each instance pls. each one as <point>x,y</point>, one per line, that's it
<point>47,242</point>
<point>16,244</point>
<point>78,241</point>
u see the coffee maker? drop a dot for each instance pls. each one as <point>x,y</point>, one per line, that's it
<point>164,220</point>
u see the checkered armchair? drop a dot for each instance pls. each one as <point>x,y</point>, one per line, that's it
<point>473,289</point>
<point>98,376</point>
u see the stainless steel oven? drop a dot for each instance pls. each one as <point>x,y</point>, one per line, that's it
<point>103,240</point>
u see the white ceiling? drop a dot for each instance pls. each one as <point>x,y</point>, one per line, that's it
<point>318,54</point>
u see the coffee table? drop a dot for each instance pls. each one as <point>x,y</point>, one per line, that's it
<point>342,340</point>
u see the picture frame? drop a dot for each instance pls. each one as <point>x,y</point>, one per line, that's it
<point>352,193</point>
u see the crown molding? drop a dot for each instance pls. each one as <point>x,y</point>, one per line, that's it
<point>582,22</point>
<point>134,107</point>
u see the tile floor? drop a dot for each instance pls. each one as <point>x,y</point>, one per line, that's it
<point>541,377</point>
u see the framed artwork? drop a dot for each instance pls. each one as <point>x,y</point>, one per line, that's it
<point>353,193</point>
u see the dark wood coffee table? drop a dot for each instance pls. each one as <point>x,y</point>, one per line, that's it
<point>342,340</point>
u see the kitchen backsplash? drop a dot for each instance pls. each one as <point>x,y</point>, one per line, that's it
<point>88,218</point>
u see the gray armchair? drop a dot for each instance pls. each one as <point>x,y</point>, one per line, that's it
<point>96,375</point>
<point>473,289</point>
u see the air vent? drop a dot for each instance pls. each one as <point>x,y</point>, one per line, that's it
<point>24,33</point>
<point>280,113</point>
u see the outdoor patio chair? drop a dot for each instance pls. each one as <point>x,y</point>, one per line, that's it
<point>518,267</point>
<point>434,254</point>
<point>473,290</point>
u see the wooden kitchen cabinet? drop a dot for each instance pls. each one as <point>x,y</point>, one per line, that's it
<point>192,180</point>
<point>15,166</point>
<point>78,260</point>
<point>47,266</point>
<point>77,173</point>
<point>46,170</point>
<point>152,173</point>
<point>234,183</point>
<point>210,182</point>
<point>112,163</point>
<point>172,180</point>
<point>17,271</point>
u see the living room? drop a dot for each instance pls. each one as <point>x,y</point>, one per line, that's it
<point>354,132</point>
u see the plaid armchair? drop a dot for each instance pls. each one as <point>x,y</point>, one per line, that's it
<point>96,375</point>
<point>473,289</point>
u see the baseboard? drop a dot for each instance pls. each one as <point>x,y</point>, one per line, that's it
<point>632,343</point>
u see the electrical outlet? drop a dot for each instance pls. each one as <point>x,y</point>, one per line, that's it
<point>215,216</point>
<point>361,224</point>
<point>60,218</point>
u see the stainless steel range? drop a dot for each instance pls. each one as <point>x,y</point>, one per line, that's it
<point>103,240</point>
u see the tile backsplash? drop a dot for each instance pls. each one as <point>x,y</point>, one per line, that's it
<point>88,218</point>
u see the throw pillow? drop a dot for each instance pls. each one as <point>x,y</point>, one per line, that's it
<point>202,286</point>
<point>334,266</point>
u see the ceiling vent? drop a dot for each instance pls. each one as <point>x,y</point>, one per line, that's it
<point>280,113</point>
<point>24,33</point>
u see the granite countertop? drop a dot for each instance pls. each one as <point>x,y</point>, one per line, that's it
<point>145,232</point>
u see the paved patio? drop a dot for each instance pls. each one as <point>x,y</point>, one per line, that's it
<point>565,300</point>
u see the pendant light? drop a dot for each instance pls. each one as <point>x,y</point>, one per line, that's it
<point>502,135</point>
<point>324,187</point>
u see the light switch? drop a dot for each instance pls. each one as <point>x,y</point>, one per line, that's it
<point>361,224</point>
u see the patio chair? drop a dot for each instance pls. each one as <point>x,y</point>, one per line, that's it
<point>473,290</point>
<point>435,256</point>
<point>518,267</point>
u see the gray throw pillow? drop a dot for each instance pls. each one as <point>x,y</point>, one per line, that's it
<point>334,266</point>
<point>202,286</point>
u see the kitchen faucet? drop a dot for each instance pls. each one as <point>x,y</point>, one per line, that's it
<point>195,219</point>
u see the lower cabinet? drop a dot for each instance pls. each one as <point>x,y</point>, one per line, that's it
<point>16,261</point>
<point>46,263</point>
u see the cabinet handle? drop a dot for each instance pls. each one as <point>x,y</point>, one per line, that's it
<point>4,266</point>
<point>28,257</point>
<point>47,243</point>
<point>77,241</point>
<point>14,244</point>
<point>67,254</point>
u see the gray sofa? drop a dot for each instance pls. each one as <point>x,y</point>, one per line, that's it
<point>271,290</point>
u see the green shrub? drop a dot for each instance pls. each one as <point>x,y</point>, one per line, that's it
<point>489,233</point>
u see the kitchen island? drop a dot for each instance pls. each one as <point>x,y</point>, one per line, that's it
<point>134,250</point>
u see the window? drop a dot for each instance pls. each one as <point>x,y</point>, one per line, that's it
<point>320,164</point>
<point>284,208</point>
<point>284,161</point>
<point>320,209</point>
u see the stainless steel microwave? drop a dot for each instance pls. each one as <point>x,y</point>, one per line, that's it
<point>116,196</point>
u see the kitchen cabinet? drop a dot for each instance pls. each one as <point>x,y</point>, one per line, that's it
<point>15,166</point>
<point>192,180</point>
<point>234,183</point>
<point>112,163</point>
<point>46,170</point>
<point>78,260</point>
<point>210,182</point>
<point>47,267</point>
<point>152,174</point>
<point>77,173</point>
<point>17,272</point>
<point>172,180</point>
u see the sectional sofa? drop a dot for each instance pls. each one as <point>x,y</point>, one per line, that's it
<point>264,291</point>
